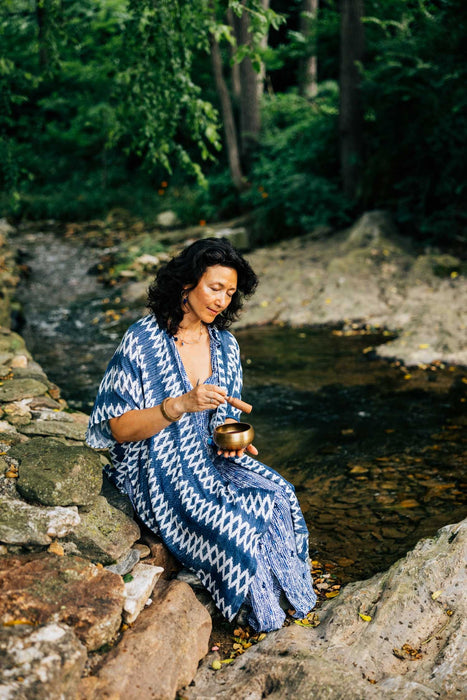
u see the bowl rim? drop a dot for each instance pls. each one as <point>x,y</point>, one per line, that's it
<point>237,427</point>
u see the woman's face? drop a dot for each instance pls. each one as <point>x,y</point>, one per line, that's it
<point>212,294</point>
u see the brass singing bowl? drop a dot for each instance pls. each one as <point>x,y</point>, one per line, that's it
<point>233,436</point>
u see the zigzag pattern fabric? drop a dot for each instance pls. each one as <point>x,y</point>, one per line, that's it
<point>211,526</point>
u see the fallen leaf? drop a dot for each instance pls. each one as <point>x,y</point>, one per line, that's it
<point>435,595</point>
<point>216,665</point>
<point>331,594</point>
<point>19,621</point>
<point>56,548</point>
<point>367,618</point>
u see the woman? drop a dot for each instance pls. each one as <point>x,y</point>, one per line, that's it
<point>233,521</point>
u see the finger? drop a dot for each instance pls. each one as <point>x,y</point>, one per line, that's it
<point>252,449</point>
<point>219,390</point>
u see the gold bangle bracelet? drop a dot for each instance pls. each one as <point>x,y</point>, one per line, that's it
<point>165,413</point>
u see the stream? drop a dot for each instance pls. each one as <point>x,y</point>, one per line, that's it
<point>376,451</point>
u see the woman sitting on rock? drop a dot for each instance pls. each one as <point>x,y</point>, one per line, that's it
<point>233,521</point>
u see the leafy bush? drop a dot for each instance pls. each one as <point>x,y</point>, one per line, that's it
<point>295,178</point>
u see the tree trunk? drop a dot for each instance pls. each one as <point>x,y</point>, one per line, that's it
<point>233,154</point>
<point>250,120</point>
<point>43,24</point>
<point>236,87</point>
<point>351,118</point>
<point>309,65</point>
<point>261,76</point>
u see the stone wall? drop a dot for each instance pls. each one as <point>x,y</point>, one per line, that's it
<point>80,582</point>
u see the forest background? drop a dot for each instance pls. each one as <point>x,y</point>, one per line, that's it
<point>300,114</point>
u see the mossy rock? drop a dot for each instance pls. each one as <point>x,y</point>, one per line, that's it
<point>52,473</point>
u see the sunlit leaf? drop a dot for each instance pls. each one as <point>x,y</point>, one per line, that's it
<point>436,595</point>
<point>367,618</point>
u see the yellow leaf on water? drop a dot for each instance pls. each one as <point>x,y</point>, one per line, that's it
<point>435,595</point>
<point>216,665</point>
<point>407,376</point>
<point>367,618</point>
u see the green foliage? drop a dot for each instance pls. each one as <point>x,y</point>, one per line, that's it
<point>294,180</point>
<point>101,99</point>
<point>416,110</point>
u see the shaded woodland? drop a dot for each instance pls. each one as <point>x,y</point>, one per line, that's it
<point>300,114</point>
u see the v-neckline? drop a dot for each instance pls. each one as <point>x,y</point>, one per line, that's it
<point>181,367</point>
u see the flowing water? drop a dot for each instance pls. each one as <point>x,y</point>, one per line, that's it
<point>376,452</point>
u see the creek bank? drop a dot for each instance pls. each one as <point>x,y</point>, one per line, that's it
<point>366,276</point>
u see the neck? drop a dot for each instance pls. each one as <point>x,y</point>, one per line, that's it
<point>189,326</point>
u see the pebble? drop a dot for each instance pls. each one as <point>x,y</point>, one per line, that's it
<point>143,550</point>
<point>125,564</point>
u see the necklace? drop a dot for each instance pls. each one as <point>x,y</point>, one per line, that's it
<point>190,342</point>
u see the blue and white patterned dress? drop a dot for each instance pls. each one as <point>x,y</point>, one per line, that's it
<point>235,522</point>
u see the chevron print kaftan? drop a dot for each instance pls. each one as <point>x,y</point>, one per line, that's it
<point>210,525</point>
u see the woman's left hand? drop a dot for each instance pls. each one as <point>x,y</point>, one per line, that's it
<point>238,453</point>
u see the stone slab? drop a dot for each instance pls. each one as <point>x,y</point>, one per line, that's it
<point>43,663</point>
<point>58,428</point>
<point>17,389</point>
<point>24,524</point>
<point>171,636</point>
<point>105,533</point>
<point>52,473</point>
<point>139,589</point>
<point>43,588</point>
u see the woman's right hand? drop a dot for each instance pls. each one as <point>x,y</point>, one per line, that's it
<point>203,397</point>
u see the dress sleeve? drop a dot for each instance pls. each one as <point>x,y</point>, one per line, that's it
<point>121,390</point>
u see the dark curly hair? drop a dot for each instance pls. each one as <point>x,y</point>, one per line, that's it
<point>165,293</point>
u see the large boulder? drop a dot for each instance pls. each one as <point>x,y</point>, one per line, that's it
<point>104,534</point>
<point>401,634</point>
<point>52,473</point>
<point>160,652</point>
<point>43,663</point>
<point>43,588</point>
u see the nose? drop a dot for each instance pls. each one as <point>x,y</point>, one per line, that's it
<point>222,300</point>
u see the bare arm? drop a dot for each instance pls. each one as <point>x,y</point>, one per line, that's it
<point>141,424</point>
